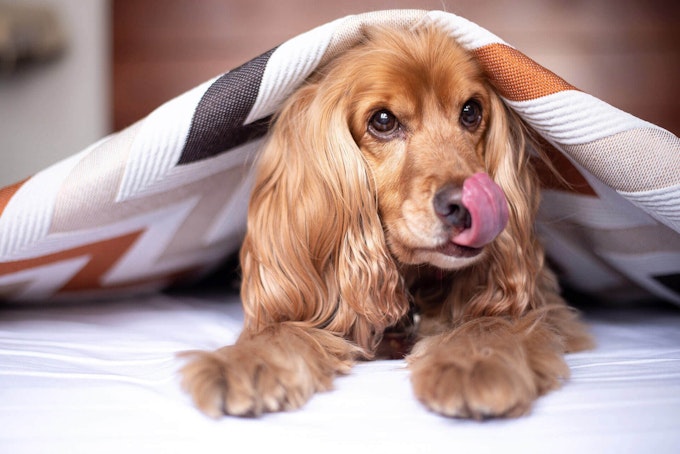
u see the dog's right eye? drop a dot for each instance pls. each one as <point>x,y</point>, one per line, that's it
<point>383,124</point>
<point>471,114</point>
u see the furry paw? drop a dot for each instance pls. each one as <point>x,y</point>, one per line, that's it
<point>239,381</point>
<point>485,372</point>
<point>274,371</point>
<point>478,388</point>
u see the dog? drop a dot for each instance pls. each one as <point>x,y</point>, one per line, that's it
<point>394,182</point>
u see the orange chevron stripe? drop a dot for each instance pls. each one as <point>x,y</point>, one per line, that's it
<point>103,255</point>
<point>516,76</point>
<point>8,192</point>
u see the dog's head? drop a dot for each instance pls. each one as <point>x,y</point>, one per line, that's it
<point>396,152</point>
<point>420,109</point>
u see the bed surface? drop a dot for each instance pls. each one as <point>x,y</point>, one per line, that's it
<point>102,377</point>
<point>166,197</point>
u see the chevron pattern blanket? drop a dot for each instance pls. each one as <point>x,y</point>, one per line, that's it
<point>165,199</point>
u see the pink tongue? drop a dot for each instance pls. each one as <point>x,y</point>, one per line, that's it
<point>488,209</point>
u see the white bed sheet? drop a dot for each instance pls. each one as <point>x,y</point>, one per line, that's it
<point>101,378</point>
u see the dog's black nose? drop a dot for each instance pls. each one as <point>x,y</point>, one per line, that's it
<point>449,207</point>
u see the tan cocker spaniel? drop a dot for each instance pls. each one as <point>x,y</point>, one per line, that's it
<point>394,182</point>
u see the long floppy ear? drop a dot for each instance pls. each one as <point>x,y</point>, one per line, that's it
<point>511,276</point>
<point>315,252</point>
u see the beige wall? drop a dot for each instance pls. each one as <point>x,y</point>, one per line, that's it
<point>51,111</point>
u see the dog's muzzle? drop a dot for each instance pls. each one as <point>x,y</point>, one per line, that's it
<point>476,214</point>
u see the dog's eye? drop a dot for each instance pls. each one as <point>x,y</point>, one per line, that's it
<point>471,114</point>
<point>383,124</point>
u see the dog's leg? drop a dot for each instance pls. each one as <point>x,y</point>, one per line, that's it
<point>277,369</point>
<point>495,366</point>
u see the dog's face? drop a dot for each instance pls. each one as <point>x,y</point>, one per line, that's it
<point>420,113</point>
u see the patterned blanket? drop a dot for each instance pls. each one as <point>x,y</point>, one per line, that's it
<point>165,199</point>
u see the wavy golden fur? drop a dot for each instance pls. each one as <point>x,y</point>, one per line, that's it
<point>344,238</point>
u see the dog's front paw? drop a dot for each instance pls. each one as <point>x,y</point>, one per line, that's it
<point>477,387</point>
<point>243,381</point>
<point>487,368</point>
<point>277,369</point>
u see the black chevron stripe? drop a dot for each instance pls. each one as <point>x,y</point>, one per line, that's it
<point>217,124</point>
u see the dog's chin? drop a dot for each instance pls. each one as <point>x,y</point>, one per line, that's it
<point>457,251</point>
<point>447,256</point>
<point>452,256</point>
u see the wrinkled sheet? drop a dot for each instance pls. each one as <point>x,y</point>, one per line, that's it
<point>100,378</point>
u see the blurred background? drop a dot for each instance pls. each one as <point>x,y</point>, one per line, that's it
<point>72,71</point>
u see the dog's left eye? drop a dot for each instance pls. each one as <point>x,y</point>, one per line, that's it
<point>383,124</point>
<point>471,114</point>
